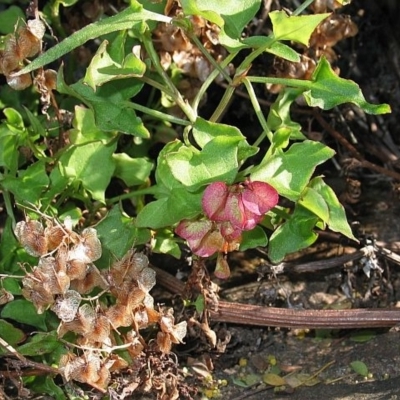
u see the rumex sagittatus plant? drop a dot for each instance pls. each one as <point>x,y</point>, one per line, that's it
<point>89,159</point>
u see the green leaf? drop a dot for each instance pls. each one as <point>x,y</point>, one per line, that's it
<point>67,3</point>
<point>45,384</point>
<point>133,171</point>
<point>29,184</point>
<point>194,169</point>
<point>111,106</point>
<point>328,90</point>
<point>314,202</point>
<point>59,183</point>
<point>359,367</point>
<point>254,238</point>
<point>164,242</point>
<point>283,51</point>
<point>41,343</point>
<point>362,336</point>
<point>204,131</point>
<point>9,255</point>
<point>12,285</point>
<point>10,334</point>
<point>295,28</point>
<point>103,68</point>
<point>273,379</point>
<point>337,220</point>
<point>90,165</point>
<point>232,15</point>
<point>85,129</point>
<point>289,172</point>
<point>164,177</point>
<point>118,234</point>
<point>279,117</point>
<point>132,16</point>
<point>167,211</point>
<point>36,124</point>
<point>277,48</point>
<point>8,143</point>
<point>23,311</point>
<point>8,19</point>
<point>14,118</point>
<point>293,235</point>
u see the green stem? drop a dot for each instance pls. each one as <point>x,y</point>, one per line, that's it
<point>296,83</point>
<point>256,105</point>
<point>9,208</point>
<point>240,71</point>
<point>210,59</point>
<point>157,85</point>
<point>246,63</point>
<point>175,94</point>
<point>210,79</point>
<point>158,114</point>
<point>302,7</point>
<point>55,18</point>
<point>125,196</point>
<point>222,104</point>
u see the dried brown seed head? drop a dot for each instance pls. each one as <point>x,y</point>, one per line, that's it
<point>119,315</point>
<point>40,298</point>
<point>19,82</point>
<point>77,269</point>
<point>100,331</point>
<point>164,342</point>
<point>37,28</point>
<point>66,306</point>
<point>28,44</point>
<point>91,280</point>
<point>83,323</point>
<point>30,234</point>
<point>88,248</point>
<point>5,296</point>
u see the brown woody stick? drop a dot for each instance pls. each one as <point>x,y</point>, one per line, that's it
<point>248,314</point>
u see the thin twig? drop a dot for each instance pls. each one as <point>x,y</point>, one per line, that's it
<point>247,314</point>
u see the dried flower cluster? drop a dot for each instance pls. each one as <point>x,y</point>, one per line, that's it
<point>229,211</point>
<point>65,272</point>
<point>328,33</point>
<point>25,42</point>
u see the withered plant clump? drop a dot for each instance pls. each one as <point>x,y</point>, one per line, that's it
<point>65,272</point>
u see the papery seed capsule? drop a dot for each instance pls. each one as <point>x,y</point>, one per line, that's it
<point>50,79</point>
<point>37,27</point>
<point>119,315</point>
<point>67,306</point>
<point>82,324</point>
<point>55,235</point>
<point>28,44</point>
<point>146,279</point>
<point>92,243</point>
<point>56,282</point>
<point>101,330</point>
<point>19,82</point>
<point>31,235</point>
<point>164,342</point>
<point>77,269</point>
<point>5,296</point>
